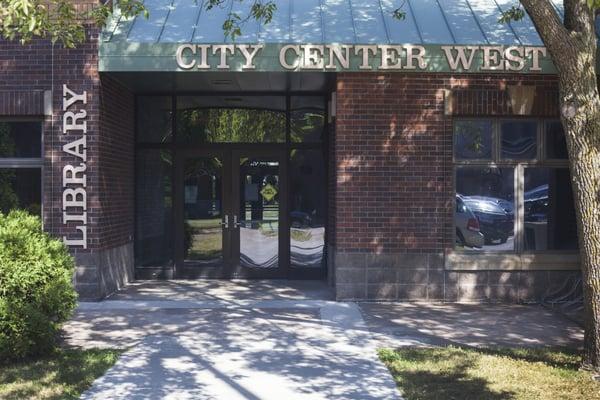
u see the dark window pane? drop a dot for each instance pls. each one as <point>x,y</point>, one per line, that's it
<point>307,208</point>
<point>473,140</point>
<point>550,222</point>
<point>307,118</point>
<point>154,239</point>
<point>484,216</point>
<point>556,145</point>
<point>20,188</point>
<point>222,119</point>
<point>154,119</point>
<point>519,140</point>
<point>20,139</point>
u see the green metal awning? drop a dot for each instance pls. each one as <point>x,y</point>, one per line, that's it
<point>326,35</point>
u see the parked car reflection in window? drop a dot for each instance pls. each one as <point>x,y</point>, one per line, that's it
<point>468,231</point>
<point>487,193</point>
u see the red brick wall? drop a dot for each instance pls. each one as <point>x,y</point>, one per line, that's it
<point>27,71</point>
<point>116,172</point>
<point>41,66</point>
<point>393,154</point>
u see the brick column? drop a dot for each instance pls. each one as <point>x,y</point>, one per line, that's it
<point>26,72</point>
<point>393,161</point>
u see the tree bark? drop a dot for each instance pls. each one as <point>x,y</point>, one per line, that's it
<point>582,131</point>
<point>573,50</point>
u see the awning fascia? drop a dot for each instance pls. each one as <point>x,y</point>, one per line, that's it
<point>161,57</point>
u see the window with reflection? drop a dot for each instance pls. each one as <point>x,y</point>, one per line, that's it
<point>550,222</point>
<point>556,144</point>
<point>154,219</point>
<point>307,119</point>
<point>222,119</point>
<point>202,179</point>
<point>154,123</point>
<point>21,166</point>
<point>307,208</point>
<point>259,212</point>
<point>518,140</point>
<point>20,188</point>
<point>473,140</point>
<point>202,210</point>
<point>486,216</point>
<point>20,139</point>
<point>499,170</point>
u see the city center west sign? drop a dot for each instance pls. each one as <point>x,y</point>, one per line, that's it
<point>336,57</point>
<point>281,57</point>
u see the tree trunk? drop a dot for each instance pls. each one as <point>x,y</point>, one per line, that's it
<point>580,105</point>
<point>572,45</point>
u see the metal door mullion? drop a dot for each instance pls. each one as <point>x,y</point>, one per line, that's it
<point>227,209</point>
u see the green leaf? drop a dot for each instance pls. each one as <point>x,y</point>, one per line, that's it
<point>399,14</point>
<point>515,13</point>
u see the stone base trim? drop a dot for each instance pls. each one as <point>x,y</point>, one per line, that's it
<point>422,277</point>
<point>98,274</point>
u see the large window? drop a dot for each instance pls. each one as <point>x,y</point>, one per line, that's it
<point>170,128</point>
<point>20,166</point>
<point>513,189</point>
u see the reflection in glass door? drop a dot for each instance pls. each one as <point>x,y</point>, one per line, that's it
<point>203,212</point>
<point>231,207</point>
<point>258,213</point>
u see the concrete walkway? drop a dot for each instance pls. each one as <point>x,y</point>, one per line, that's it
<point>279,340</point>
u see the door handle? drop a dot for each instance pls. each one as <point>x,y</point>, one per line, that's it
<point>236,224</point>
<point>225,223</point>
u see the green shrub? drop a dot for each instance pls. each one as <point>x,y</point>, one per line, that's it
<point>36,290</point>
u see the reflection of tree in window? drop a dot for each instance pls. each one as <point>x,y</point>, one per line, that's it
<point>473,139</point>
<point>8,197</point>
<point>231,125</point>
<point>306,124</point>
<point>7,144</point>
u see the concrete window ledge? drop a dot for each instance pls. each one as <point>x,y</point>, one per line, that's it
<point>458,261</point>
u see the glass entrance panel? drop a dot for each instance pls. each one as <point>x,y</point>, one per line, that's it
<point>202,211</point>
<point>307,208</point>
<point>258,218</point>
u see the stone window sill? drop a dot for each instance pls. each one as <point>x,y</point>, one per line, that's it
<point>510,262</point>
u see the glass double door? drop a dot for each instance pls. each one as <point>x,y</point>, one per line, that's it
<point>230,207</point>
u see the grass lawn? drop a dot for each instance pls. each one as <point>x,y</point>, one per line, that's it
<point>458,373</point>
<point>64,374</point>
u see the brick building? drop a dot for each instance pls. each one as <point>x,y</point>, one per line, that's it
<point>400,160</point>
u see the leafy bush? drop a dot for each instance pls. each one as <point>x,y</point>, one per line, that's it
<point>36,290</point>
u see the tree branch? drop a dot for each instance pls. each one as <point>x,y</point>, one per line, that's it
<point>547,22</point>
<point>579,17</point>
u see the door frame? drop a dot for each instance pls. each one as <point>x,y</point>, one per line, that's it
<point>181,270</point>
<point>177,150</point>
<point>237,271</point>
<point>230,195</point>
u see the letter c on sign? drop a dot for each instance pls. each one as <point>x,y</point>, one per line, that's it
<point>179,56</point>
<point>282,58</point>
